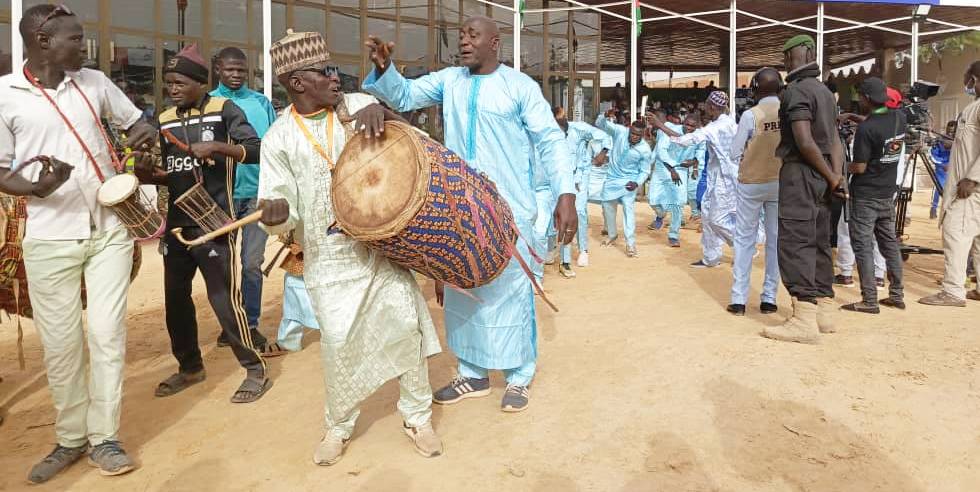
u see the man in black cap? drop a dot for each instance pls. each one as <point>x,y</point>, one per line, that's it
<point>812,157</point>
<point>878,147</point>
<point>202,139</point>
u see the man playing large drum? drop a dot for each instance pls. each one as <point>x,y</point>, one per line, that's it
<point>53,109</point>
<point>374,324</point>
<point>494,118</point>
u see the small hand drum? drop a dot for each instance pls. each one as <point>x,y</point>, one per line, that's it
<point>123,195</point>
<point>202,209</point>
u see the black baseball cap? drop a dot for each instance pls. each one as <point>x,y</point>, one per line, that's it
<point>874,89</point>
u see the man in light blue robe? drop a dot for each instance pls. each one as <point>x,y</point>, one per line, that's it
<point>668,189</point>
<point>629,166</point>
<point>495,117</point>
<point>591,141</point>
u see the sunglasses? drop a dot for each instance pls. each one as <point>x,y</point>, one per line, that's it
<point>328,71</point>
<point>59,11</point>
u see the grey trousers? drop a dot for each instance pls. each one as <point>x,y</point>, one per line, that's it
<point>873,221</point>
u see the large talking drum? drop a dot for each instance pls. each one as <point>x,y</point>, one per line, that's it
<point>123,195</point>
<point>421,206</point>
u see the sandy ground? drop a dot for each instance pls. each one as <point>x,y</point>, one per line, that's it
<point>644,383</point>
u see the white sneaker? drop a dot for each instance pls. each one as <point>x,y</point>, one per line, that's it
<point>583,259</point>
<point>552,256</point>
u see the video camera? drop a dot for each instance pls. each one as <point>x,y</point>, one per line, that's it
<point>914,104</point>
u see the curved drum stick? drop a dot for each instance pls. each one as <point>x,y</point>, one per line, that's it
<point>238,224</point>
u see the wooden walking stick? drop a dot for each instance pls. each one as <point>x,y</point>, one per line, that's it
<point>233,226</point>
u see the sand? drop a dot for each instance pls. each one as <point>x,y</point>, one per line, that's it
<point>645,383</point>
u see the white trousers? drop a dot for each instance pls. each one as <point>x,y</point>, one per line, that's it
<point>845,253</point>
<point>87,394</point>
<point>753,200</point>
<point>961,238</point>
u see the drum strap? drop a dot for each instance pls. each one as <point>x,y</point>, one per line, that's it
<point>98,122</point>
<point>309,136</point>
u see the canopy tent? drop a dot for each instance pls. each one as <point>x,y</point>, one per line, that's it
<point>708,35</point>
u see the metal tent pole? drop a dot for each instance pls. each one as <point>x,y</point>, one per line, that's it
<point>16,43</point>
<point>266,44</point>
<point>914,67</point>
<point>634,86</point>
<point>820,36</point>
<point>732,54</point>
<point>517,35</point>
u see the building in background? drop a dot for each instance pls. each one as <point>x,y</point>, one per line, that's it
<point>130,40</point>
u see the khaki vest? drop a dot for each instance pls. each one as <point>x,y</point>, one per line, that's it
<point>759,162</point>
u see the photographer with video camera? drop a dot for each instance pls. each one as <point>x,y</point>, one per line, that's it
<point>879,143</point>
<point>960,217</point>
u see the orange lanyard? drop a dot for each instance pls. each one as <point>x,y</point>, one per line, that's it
<point>309,136</point>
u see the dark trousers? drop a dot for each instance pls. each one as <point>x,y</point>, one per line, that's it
<point>805,263</point>
<point>873,219</point>
<point>218,262</point>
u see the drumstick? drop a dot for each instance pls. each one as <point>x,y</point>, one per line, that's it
<point>181,145</point>
<point>238,224</point>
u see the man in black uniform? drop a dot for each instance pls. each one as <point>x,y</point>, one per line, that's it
<point>202,138</point>
<point>812,157</point>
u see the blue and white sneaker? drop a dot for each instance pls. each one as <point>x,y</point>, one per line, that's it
<point>461,388</point>
<point>516,399</point>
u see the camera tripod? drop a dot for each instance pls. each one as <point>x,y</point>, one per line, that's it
<point>918,155</point>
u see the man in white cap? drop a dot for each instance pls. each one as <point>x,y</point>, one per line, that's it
<point>374,324</point>
<point>718,205</point>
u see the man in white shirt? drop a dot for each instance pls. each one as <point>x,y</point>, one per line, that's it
<point>757,192</point>
<point>54,109</point>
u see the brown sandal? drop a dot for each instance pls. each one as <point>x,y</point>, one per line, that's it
<point>274,350</point>
<point>178,382</point>
<point>251,390</point>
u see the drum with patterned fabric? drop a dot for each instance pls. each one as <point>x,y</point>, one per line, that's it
<point>421,206</point>
<point>14,295</point>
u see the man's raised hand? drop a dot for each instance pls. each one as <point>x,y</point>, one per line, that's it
<point>380,52</point>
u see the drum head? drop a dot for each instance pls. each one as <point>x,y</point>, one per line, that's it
<point>117,189</point>
<point>380,184</point>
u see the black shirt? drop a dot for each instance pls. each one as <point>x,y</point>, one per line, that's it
<point>880,142</point>
<point>806,98</point>
<point>220,121</point>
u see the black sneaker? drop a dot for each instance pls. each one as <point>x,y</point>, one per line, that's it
<point>844,280</point>
<point>862,307</point>
<point>52,464</point>
<point>461,388</point>
<point>516,399</point>
<point>768,308</point>
<point>223,340</point>
<point>893,303</point>
<point>110,458</point>
<point>736,309</point>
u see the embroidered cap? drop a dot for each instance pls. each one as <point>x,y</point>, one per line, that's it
<point>299,50</point>
<point>718,98</point>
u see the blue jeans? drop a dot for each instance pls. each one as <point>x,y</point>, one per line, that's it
<point>941,177</point>
<point>753,200</point>
<point>518,376</point>
<point>253,251</point>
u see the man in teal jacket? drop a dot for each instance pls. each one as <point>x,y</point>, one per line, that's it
<point>231,66</point>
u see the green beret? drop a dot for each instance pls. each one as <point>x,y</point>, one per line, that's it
<point>798,40</point>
